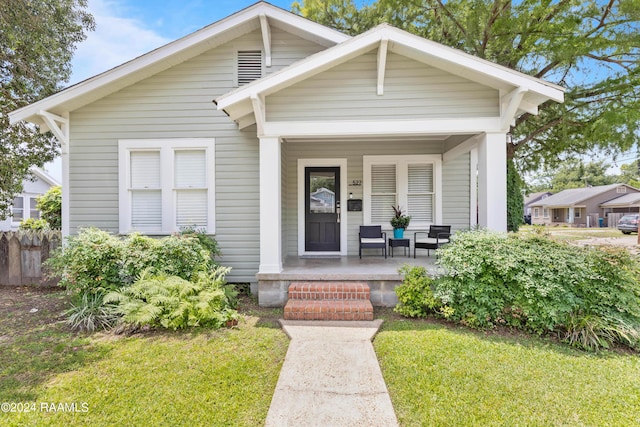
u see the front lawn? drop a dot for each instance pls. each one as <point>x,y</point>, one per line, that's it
<point>203,377</point>
<point>441,375</point>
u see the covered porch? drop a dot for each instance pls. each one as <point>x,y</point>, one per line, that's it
<point>382,275</point>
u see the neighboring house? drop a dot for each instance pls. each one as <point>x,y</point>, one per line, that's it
<point>24,204</point>
<point>532,199</point>
<point>577,206</point>
<point>388,116</point>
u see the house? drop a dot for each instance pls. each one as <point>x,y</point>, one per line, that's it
<point>24,204</point>
<point>532,198</point>
<point>224,129</point>
<point>578,206</point>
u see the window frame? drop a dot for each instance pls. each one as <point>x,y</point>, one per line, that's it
<point>545,213</point>
<point>402,186</point>
<point>168,189</point>
<point>536,212</point>
<point>13,209</point>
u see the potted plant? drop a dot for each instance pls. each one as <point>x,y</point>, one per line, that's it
<point>399,222</point>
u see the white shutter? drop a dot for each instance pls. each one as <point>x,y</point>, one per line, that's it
<point>383,192</point>
<point>420,192</point>
<point>249,66</point>
<point>145,169</point>
<point>190,186</point>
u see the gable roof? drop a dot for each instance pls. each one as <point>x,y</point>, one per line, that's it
<point>43,176</point>
<point>576,196</point>
<point>399,41</point>
<point>632,199</point>
<point>534,197</point>
<point>174,53</point>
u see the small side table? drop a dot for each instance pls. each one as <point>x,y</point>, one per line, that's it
<point>396,243</point>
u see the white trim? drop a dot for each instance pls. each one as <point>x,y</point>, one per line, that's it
<point>173,53</point>
<point>509,106</point>
<point>344,196</point>
<point>473,187</point>
<point>166,147</point>
<point>65,150</point>
<point>492,181</point>
<point>266,38</point>
<point>382,64</point>
<point>259,113</point>
<point>401,162</point>
<point>270,206</point>
<point>453,126</point>
<point>460,149</point>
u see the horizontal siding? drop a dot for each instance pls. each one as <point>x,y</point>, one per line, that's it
<point>456,197</point>
<point>411,90</point>
<point>353,152</point>
<point>177,103</point>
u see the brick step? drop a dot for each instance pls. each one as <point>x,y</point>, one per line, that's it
<point>297,309</point>
<point>329,291</point>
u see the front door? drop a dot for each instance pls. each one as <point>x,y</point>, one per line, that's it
<point>322,209</point>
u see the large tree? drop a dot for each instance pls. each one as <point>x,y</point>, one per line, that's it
<point>590,47</point>
<point>37,41</point>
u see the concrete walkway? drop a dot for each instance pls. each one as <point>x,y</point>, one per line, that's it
<point>331,377</point>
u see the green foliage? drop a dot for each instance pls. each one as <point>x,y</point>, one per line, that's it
<point>89,262</point>
<point>399,220</point>
<point>50,206</point>
<point>96,261</point>
<point>89,313</point>
<point>539,285</point>
<point>34,224</point>
<point>415,296</point>
<point>515,200</point>
<point>175,303</point>
<point>207,241</point>
<point>37,41</point>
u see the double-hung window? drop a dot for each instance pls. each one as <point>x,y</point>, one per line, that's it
<point>166,185</point>
<point>17,209</point>
<point>411,182</point>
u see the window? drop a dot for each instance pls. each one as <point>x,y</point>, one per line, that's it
<point>408,181</point>
<point>166,185</point>
<point>576,213</point>
<point>545,212</point>
<point>536,212</point>
<point>17,209</point>
<point>620,190</point>
<point>249,66</point>
<point>33,210</point>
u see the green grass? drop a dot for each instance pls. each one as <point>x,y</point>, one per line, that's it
<point>444,376</point>
<point>204,377</point>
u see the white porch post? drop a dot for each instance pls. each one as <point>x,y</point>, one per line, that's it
<point>270,206</point>
<point>492,181</point>
<point>571,215</point>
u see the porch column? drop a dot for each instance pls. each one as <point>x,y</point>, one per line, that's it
<point>270,206</point>
<point>571,215</point>
<point>492,181</point>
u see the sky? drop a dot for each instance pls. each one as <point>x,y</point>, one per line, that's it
<point>126,29</point>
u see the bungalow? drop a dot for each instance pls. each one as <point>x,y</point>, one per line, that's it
<point>581,207</point>
<point>388,117</point>
<point>532,199</point>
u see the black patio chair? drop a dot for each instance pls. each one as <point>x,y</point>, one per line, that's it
<point>372,237</point>
<point>437,236</point>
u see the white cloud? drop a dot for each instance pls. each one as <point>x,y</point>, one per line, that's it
<point>116,40</point>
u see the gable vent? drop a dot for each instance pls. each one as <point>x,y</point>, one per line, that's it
<point>249,66</point>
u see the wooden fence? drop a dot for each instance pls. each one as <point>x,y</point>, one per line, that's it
<point>22,254</point>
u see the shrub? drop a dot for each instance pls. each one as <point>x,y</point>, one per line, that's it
<point>205,240</point>
<point>50,206</point>
<point>89,262</point>
<point>537,284</point>
<point>175,303</point>
<point>89,313</point>
<point>415,296</point>
<point>34,224</point>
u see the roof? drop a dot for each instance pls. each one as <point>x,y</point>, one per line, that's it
<point>535,91</point>
<point>174,53</point>
<point>632,199</point>
<point>533,197</point>
<point>575,196</point>
<point>42,175</point>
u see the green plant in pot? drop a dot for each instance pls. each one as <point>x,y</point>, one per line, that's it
<point>399,222</point>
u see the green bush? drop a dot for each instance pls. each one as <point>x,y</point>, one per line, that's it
<point>50,206</point>
<point>415,296</point>
<point>34,224</point>
<point>88,313</point>
<point>175,303</point>
<point>97,261</point>
<point>539,285</point>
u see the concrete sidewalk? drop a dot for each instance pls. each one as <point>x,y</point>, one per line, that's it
<point>331,377</point>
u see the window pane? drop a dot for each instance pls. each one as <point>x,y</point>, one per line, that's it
<point>190,166</point>
<point>381,211</point>
<point>191,209</point>
<point>383,179</point>
<point>145,169</point>
<point>421,207</point>
<point>420,178</point>
<point>33,210</point>
<point>17,210</point>
<point>146,210</point>
<point>322,196</point>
